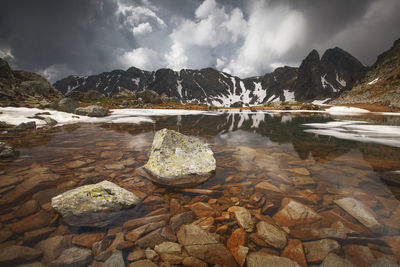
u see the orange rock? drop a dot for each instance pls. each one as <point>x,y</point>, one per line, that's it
<point>266,187</point>
<point>359,255</point>
<point>235,245</point>
<point>87,239</point>
<point>35,221</point>
<point>294,213</point>
<point>202,209</point>
<point>294,250</point>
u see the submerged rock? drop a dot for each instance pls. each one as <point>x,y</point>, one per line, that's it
<point>95,205</point>
<point>258,259</point>
<point>179,160</point>
<point>92,111</point>
<point>6,151</point>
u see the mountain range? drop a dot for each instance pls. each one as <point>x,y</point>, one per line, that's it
<point>316,79</point>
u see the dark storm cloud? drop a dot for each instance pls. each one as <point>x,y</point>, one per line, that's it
<point>58,38</point>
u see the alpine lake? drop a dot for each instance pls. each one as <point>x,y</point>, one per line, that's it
<point>265,161</point>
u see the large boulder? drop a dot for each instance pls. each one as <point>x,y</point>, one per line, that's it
<point>95,205</point>
<point>178,160</point>
<point>92,111</point>
<point>67,105</point>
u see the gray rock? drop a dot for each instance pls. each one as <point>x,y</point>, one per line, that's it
<point>357,209</point>
<point>13,255</point>
<point>51,248</point>
<point>67,105</point>
<point>259,259</point>
<point>203,245</point>
<point>272,235</point>
<point>95,205</point>
<point>178,160</point>
<point>49,121</point>
<point>116,260</point>
<point>92,111</point>
<point>73,257</point>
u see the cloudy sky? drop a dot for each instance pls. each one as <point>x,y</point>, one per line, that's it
<point>58,38</point>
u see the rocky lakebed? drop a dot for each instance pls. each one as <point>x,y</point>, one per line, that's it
<point>224,188</point>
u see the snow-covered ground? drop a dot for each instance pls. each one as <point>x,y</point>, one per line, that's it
<point>358,131</point>
<point>15,116</point>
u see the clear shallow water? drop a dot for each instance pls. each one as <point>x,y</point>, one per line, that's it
<point>249,148</point>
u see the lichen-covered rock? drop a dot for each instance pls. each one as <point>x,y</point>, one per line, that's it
<point>92,111</point>
<point>179,160</point>
<point>95,205</point>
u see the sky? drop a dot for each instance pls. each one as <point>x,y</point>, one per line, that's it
<point>58,38</point>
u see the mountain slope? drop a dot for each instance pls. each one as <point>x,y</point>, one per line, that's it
<point>380,85</point>
<point>315,79</point>
<point>21,88</point>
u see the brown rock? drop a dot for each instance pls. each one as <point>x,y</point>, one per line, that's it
<point>259,259</point>
<point>39,179</point>
<point>236,246</point>
<point>132,224</point>
<point>206,223</point>
<point>13,255</point>
<point>306,233</point>
<point>202,209</point>
<point>38,220</point>
<point>8,180</point>
<point>193,262</point>
<point>170,252</point>
<point>333,260</point>
<point>301,171</point>
<point>151,254</point>
<point>5,234</point>
<point>266,187</point>
<point>243,218</point>
<point>294,251</point>
<point>115,155</point>
<point>151,240</point>
<point>87,239</point>
<point>51,248</point>
<point>316,251</point>
<point>175,207</point>
<point>27,208</point>
<point>359,255</point>
<point>75,164</point>
<point>142,263</point>
<point>271,235</point>
<point>126,245</point>
<point>73,257</point>
<point>361,212</point>
<point>35,235</point>
<point>294,213</point>
<point>203,245</point>
<point>168,233</point>
<point>138,232</point>
<point>136,255</point>
<point>180,219</point>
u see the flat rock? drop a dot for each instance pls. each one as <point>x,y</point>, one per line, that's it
<point>170,252</point>
<point>203,245</point>
<point>294,251</point>
<point>35,221</point>
<point>178,160</point>
<point>134,223</point>
<point>294,213</point>
<point>95,205</point>
<point>92,111</point>
<point>136,255</point>
<point>359,211</point>
<point>87,239</point>
<point>193,262</point>
<point>115,260</point>
<point>73,257</point>
<point>236,246</point>
<point>135,234</point>
<point>243,218</point>
<point>316,251</point>
<point>180,219</point>
<point>266,187</point>
<point>28,208</point>
<point>359,255</point>
<point>38,234</point>
<point>260,259</point>
<point>306,233</point>
<point>51,248</point>
<point>202,209</point>
<point>333,260</point>
<point>271,235</point>
<point>151,240</point>
<point>143,263</point>
<point>14,255</point>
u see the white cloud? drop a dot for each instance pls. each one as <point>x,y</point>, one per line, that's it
<point>142,28</point>
<point>272,31</point>
<point>6,53</point>
<point>176,57</point>
<point>143,58</point>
